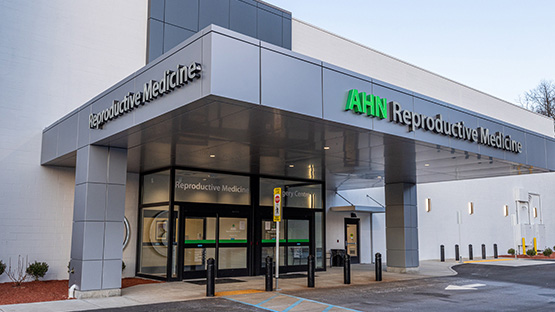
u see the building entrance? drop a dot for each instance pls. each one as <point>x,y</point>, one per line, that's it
<point>219,233</point>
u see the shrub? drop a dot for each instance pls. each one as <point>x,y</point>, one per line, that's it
<point>18,275</point>
<point>531,252</point>
<point>37,269</point>
<point>547,252</point>
<point>2,267</point>
<point>511,251</point>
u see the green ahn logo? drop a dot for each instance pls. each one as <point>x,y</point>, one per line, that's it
<point>370,105</point>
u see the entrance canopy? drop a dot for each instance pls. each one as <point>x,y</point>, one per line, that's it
<point>224,101</point>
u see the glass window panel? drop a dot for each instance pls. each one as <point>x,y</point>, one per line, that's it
<point>297,255</point>
<point>271,251</point>
<point>156,187</point>
<point>295,194</point>
<point>319,238</point>
<point>269,231</point>
<point>154,240</point>
<point>233,230</point>
<point>200,230</point>
<point>232,258</point>
<point>174,241</point>
<point>203,187</point>
<point>298,231</point>
<point>195,259</point>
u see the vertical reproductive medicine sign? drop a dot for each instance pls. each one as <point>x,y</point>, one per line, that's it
<point>277,204</point>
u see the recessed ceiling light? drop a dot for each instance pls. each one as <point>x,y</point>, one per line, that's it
<point>426,165</point>
<point>326,147</point>
<point>291,166</point>
<point>212,155</point>
<point>379,177</point>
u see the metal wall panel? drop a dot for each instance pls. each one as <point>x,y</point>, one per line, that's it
<point>242,18</point>
<point>300,92</point>
<point>182,13</point>
<point>535,151</point>
<point>214,12</point>
<point>235,69</point>
<point>174,35</point>
<point>336,88</point>
<point>270,27</point>
<point>155,39</point>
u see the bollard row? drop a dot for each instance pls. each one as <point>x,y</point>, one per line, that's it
<point>470,252</point>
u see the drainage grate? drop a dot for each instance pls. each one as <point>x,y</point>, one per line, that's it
<point>218,281</point>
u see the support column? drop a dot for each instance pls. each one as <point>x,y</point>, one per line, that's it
<point>99,207</point>
<point>401,223</point>
<point>401,218</point>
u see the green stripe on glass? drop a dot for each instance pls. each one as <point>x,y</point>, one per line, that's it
<point>298,240</point>
<point>272,240</point>
<point>200,241</point>
<point>234,241</point>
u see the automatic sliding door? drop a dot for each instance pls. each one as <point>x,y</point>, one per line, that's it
<point>232,246</point>
<point>199,245</point>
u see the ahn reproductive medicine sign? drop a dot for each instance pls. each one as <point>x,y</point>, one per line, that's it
<point>374,106</point>
<point>151,90</point>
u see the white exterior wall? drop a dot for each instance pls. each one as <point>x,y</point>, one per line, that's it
<point>487,225</point>
<point>320,44</point>
<point>54,56</point>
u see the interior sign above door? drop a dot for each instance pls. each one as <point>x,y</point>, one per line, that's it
<point>151,90</point>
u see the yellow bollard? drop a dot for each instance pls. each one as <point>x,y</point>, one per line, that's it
<point>535,246</point>
<point>523,246</point>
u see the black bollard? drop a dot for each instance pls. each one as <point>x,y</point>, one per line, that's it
<point>442,253</point>
<point>347,270</point>
<point>495,255</point>
<point>483,251</point>
<point>269,270</point>
<point>457,253</point>
<point>210,278</point>
<point>378,267</point>
<point>470,255</point>
<point>311,269</point>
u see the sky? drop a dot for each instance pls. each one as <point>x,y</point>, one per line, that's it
<point>503,48</point>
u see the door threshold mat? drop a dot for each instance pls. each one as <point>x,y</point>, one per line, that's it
<point>296,275</point>
<point>218,281</point>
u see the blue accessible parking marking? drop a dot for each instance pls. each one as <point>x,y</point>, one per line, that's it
<point>284,303</point>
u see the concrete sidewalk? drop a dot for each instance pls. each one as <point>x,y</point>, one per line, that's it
<point>362,274</point>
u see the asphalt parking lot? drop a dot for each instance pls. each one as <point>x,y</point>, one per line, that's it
<point>477,287</point>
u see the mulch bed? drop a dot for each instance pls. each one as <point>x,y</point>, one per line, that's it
<point>49,290</point>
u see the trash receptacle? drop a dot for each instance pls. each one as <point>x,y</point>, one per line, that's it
<point>337,257</point>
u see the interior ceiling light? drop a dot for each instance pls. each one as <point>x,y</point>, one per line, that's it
<point>326,147</point>
<point>212,155</point>
<point>291,166</point>
<point>426,165</point>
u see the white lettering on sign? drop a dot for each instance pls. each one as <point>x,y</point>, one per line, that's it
<point>211,187</point>
<point>296,194</point>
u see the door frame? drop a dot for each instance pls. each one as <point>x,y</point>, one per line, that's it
<point>355,221</point>
<point>218,211</point>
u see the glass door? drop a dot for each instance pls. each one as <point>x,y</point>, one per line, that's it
<point>351,239</point>
<point>214,233</point>
<point>294,241</point>
<point>199,244</point>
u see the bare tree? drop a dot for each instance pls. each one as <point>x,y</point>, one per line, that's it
<point>540,99</point>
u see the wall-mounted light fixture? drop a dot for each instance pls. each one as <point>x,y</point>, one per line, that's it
<point>470,208</point>
<point>506,210</point>
<point>428,204</point>
<point>535,212</point>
